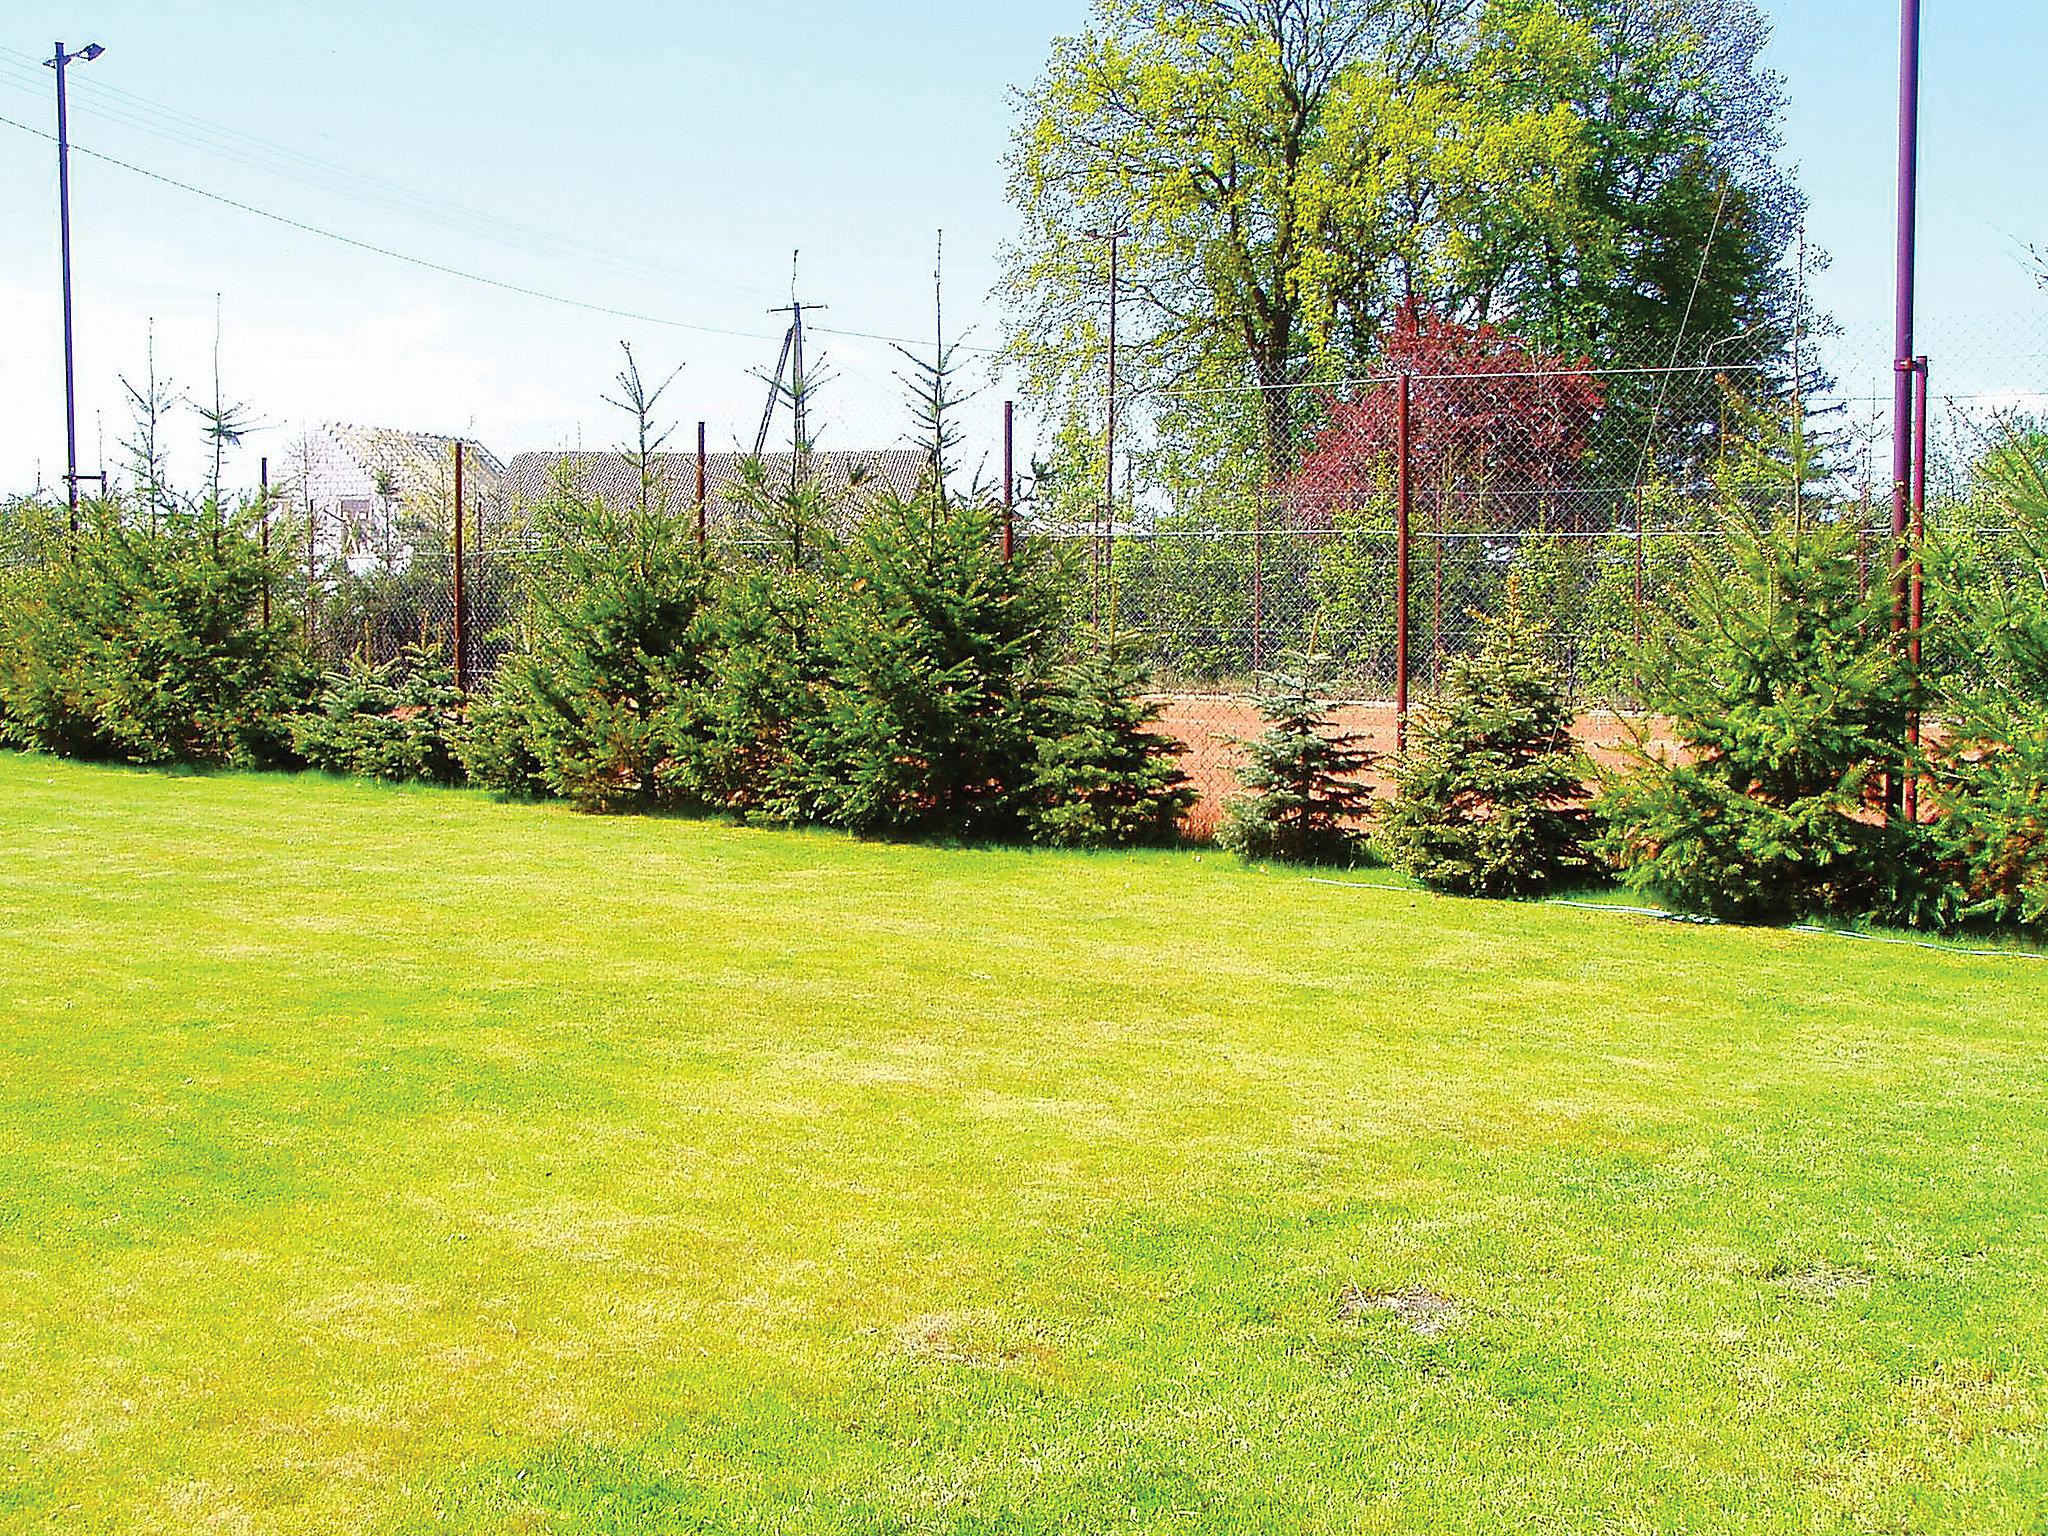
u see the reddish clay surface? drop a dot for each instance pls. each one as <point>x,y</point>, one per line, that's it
<point>1206,723</point>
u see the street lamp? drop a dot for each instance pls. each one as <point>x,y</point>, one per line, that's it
<point>58,61</point>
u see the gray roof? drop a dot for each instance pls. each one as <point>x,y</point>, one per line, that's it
<point>418,462</point>
<point>609,478</point>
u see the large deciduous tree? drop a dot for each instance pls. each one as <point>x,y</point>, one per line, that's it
<point>1594,175</point>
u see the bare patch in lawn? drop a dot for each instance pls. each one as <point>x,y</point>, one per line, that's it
<point>1422,1310</point>
<point>1964,1401</point>
<point>1819,1280</point>
<point>960,1338</point>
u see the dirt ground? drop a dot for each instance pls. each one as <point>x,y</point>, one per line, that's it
<point>1206,725</point>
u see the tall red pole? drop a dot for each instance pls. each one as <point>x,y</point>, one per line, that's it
<point>1403,489</point>
<point>1902,349</point>
<point>1109,436</point>
<point>1908,204</point>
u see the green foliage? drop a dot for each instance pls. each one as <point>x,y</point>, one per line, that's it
<point>1492,794</point>
<point>1991,778</point>
<point>495,740</point>
<point>1188,585</point>
<point>614,634</point>
<point>731,737</point>
<point>1304,776</point>
<point>32,530</point>
<point>392,721</point>
<point>1103,777</point>
<point>1289,173</point>
<point>934,657</point>
<point>1991,788</point>
<point>1788,699</point>
<point>142,641</point>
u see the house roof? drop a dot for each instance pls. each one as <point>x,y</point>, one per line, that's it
<point>608,476</point>
<point>420,463</point>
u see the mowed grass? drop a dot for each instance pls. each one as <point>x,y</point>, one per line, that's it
<point>376,1160</point>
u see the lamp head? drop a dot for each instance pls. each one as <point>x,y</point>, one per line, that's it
<point>90,52</point>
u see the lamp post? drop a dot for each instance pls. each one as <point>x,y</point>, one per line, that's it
<point>58,61</point>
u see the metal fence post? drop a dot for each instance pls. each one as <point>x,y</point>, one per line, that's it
<point>1403,491</point>
<point>1009,479</point>
<point>1642,517</point>
<point>1902,350</point>
<point>702,530</point>
<point>461,634</point>
<point>263,500</point>
<point>312,565</point>
<point>1258,582</point>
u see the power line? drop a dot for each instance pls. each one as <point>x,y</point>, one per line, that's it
<point>427,264</point>
<point>248,150</point>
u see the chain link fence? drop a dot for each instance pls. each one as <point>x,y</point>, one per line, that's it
<point>1246,525</point>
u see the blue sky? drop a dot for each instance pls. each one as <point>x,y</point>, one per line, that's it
<point>666,159</point>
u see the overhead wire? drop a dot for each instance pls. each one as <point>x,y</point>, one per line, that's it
<point>96,99</point>
<point>444,268</point>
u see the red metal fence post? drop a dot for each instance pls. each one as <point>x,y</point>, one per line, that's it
<point>702,531</point>
<point>1403,489</point>
<point>1914,587</point>
<point>461,636</point>
<point>1009,479</point>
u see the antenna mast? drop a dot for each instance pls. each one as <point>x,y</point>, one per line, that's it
<point>790,364</point>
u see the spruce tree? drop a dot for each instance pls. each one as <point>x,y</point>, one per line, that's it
<point>613,634</point>
<point>393,720</point>
<point>1991,777</point>
<point>1492,794</point>
<point>932,656</point>
<point>1304,777</point>
<point>1103,777</point>
<point>935,653</point>
<point>140,640</point>
<point>1787,697</point>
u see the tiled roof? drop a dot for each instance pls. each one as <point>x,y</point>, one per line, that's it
<point>608,477</point>
<point>420,463</point>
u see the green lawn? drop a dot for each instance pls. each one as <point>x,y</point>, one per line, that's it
<point>403,1161</point>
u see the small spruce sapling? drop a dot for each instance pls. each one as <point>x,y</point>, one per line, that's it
<point>1492,794</point>
<point>1103,776</point>
<point>1304,776</point>
<point>396,720</point>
